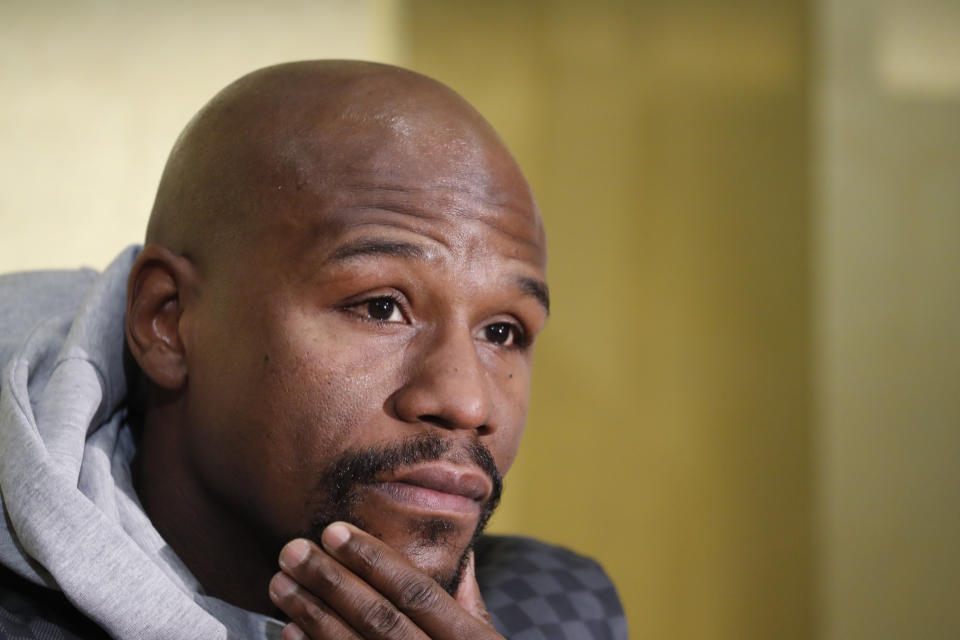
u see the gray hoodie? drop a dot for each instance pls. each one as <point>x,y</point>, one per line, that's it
<point>73,521</point>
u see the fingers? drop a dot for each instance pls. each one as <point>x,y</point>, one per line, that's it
<point>307,612</point>
<point>359,587</point>
<point>329,601</point>
<point>413,593</point>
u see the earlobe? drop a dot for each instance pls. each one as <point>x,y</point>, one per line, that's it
<point>155,296</point>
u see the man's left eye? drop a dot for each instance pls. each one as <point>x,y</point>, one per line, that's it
<point>502,333</point>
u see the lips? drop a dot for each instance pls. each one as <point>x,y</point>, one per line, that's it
<point>458,481</point>
<point>436,487</point>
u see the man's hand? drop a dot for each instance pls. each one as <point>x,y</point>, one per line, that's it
<point>358,587</point>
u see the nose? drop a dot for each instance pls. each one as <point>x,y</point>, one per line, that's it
<point>446,383</point>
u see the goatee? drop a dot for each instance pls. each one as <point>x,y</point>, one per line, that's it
<point>339,492</point>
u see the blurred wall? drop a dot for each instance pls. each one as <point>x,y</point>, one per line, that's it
<point>888,318</point>
<point>670,431</point>
<point>96,91</point>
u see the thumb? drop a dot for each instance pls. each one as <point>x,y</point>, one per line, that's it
<point>468,593</point>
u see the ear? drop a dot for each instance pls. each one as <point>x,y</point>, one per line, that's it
<point>156,291</point>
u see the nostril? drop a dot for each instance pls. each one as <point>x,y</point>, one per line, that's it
<point>448,423</point>
<point>435,420</point>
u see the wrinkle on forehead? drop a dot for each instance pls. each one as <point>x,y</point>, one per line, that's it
<point>445,215</point>
<point>453,233</point>
<point>465,200</point>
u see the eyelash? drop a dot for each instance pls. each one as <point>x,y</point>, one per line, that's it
<point>519,335</point>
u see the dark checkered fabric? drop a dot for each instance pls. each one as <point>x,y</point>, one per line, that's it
<point>536,591</point>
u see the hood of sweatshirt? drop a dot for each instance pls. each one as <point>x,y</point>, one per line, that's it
<point>72,519</point>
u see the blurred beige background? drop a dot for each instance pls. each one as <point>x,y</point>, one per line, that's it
<point>747,401</point>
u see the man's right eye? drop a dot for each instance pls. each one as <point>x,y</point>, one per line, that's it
<point>383,309</point>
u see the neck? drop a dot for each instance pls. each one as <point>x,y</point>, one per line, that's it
<point>227,558</point>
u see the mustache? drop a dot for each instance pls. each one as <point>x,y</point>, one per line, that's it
<point>363,466</point>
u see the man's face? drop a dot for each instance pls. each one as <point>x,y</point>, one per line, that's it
<point>368,354</point>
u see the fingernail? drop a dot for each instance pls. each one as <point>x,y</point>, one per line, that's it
<point>335,535</point>
<point>281,586</point>
<point>294,553</point>
<point>293,632</point>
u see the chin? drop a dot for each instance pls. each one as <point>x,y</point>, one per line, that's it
<point>436,546</point>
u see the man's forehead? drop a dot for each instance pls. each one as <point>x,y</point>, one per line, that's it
<point>448,188</point>
<point>404,153</point>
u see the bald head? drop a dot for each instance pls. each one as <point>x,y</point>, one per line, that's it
<point>275,142</point>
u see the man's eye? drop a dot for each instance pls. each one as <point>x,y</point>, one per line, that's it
<point>384,309</point>
<point>502,333</point>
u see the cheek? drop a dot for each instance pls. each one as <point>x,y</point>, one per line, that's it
<point>327,382</point>
<point>513,401</point>
<point>508,446</point>
<point>286,395</point>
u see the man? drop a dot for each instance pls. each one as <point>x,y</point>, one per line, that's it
<point>328,346</point>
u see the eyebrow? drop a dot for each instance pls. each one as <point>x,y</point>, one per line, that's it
<point>371,247</point>
<point>533,287</point>
<point>536,288</point>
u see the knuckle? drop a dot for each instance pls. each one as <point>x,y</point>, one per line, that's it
<point>372,557</point>
<point>322,576</point>
<point>313,613</point>
<point>417,594</point>
<point>381,619</point>
<point>332,578</point>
